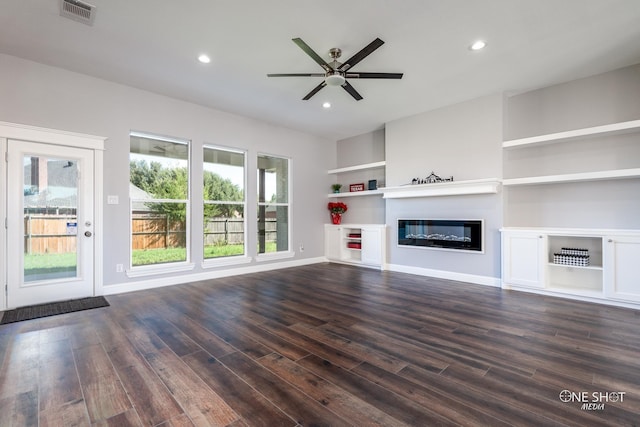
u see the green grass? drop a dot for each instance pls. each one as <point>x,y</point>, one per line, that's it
<point>43,264</point>
<point>225,250</point>
<point>50,263</point>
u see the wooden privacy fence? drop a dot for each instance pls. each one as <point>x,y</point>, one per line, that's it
<point>153,231</point>
<point>219,231</point>
<point>48,233</point>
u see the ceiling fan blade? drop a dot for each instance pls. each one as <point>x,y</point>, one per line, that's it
<point>314,91</point>
<point>374,75</point>
<point>349,63</point>
<point>346,86</point>
<point>302,45</point>
<point>297,75</point>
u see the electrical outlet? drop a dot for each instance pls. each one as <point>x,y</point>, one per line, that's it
<point>301,247</point>
<point>119,268</point>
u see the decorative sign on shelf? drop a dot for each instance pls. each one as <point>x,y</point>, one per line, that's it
<point>356,187</point>
<point>431,179</point>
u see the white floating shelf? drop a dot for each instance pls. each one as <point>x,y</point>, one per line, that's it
<point>455,188</point>
<point>575,177</point>
<point>611,129</point>
<point>357,193</point>
<point>358,167</point>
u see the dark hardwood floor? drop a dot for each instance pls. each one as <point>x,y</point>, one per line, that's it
<point>325,344</point>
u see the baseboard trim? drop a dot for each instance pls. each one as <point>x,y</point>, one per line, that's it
<point>205,275</point>
<point>583,298</point>
<point>449,275</point>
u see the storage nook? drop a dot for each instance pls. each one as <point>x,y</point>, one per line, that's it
<point>358,244</point>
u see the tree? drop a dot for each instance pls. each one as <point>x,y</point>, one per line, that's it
<point>219,189</point>
<point>172,183</point>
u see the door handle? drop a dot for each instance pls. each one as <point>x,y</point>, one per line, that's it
<point>87,233</point>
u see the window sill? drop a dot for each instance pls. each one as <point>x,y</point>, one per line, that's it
<point>225,261</point>
<point>148,270</point>
<point>274,256</point>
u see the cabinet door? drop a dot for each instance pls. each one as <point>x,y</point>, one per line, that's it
<point>333,242</point>
<point>622,277</point>
<point>372,246</point>
<point>523,258</point>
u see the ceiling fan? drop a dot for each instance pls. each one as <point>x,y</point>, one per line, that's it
<point>336,73</point>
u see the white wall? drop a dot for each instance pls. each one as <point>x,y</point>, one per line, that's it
<point>49,97</point>
<point>463,140</point>
<point>358,150</point>
<point>603,99</point>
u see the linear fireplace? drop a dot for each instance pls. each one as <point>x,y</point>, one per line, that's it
<point>463,235</point>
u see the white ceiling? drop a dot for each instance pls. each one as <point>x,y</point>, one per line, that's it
<point>153,45</point>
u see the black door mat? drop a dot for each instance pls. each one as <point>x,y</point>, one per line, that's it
<point>52,308</point>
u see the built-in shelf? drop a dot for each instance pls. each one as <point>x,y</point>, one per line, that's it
<point>577,267</point>
<point>373,165</point>
<point>377,192</point>
<point>610,129</point>
<point>574,177</point>
<point>455,188</point>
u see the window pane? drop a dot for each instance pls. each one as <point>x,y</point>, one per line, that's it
<point>223,175</point>
<point>224,232</point>
<point>223,220</point>
<point>273,179</point>
<point>159,233</point>
<point>159,192</point>
<point>273,228</point>
<point>273,208</point>
<point>159,168</point>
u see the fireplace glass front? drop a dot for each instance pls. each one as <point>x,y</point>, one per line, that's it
<point>441,233</point>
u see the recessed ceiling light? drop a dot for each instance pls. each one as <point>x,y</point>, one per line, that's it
<point>204,58</point>
<point>326,105</point>
<point>478,45</point>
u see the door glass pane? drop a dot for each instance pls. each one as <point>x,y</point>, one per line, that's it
<point>50,218</point>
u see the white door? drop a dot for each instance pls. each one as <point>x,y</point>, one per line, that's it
<point>49,223</point>
<point>621,256</point>
<point>333,242</point>
<point>523,256</point>
<point>372,246</point>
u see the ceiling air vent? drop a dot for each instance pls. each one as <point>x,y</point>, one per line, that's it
<point>78,11</point>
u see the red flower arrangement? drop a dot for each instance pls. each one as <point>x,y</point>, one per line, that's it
<point>337,207</point>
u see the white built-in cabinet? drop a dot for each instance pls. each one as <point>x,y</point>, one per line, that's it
<point>611,276</point>
<point>358,244</point>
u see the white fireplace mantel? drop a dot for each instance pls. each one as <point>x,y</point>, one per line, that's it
<point>454,188</point>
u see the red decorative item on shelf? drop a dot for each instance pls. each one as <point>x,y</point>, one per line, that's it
<point>336,209</point>
<point>356,187</point>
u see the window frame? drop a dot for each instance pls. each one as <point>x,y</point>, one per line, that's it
<point>289,253</point>
<point>229,259</point>
<point>165,267</point>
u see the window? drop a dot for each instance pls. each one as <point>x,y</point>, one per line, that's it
<point>273,204</point>
<point>159,194</point>
<point>224,202</point>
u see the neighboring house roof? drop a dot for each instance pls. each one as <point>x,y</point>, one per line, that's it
<point>138,194</point>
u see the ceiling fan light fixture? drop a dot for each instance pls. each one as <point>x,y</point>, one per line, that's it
<point>335,80</point>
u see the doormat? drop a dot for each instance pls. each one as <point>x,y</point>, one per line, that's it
<point>52,309</point>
